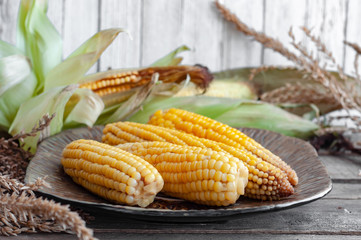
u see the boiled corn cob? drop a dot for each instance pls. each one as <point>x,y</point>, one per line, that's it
<point>200,175</point>
<point>111,173</point>
<point>265,181</point>
<point>204,127</point>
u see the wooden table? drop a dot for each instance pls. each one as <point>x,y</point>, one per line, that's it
<point>335,216</point>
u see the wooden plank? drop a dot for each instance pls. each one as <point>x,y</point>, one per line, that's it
<point>202,31</point>
<point>344,191</point>
<point>123,52</point>
<point>80,23</point>
<point>315,19</point>
<point>353,34</point>
<point>161,28</point>
<point>326,216</point>
<point>254,236</point>
<point>342,169</point>
<point>56,14</point>
<point>239,50</point>
<point>280,15</point>
<point>333,32</point>
<point>8,16</point>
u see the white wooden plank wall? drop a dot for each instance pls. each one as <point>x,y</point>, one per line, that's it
<point>159,26</point>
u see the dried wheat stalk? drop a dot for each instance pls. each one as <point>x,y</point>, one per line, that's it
<point>20,210</point>
<point>305,61</point>
<point>299,93</point>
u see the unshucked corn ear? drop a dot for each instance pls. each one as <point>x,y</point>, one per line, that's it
<point>116,81</point>
<point>204,127</point>
<point>265,181</point>
<point>111,172</point>
<point>200,175</point>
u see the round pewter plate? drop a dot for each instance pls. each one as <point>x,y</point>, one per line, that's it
<point>314,181</point>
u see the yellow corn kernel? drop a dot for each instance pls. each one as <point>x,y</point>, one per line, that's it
<point>192,123</point>
<point>111,173</point>
<point>136,132</point>
<point>183,176</point>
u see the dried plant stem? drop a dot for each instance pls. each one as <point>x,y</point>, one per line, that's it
<point>20,210</point>
<point>305,62</point>
<point>301,94</point>
<point>262,38</point>
<point>357,49</point>
<point>22,213</point>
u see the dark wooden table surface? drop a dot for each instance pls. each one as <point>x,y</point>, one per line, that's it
<point>335,216</point>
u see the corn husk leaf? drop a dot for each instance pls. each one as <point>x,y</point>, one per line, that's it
<point>49,102</point>
<point>234,112</point>
<point>130,106</point>
<point>171,58</point>
<point>72,69</point>
<point>38,38</point>
<point>7,49</point>
<point>13,70</point>
<point>11,100</point>
<point>83,108</point>
<point>17,84</point>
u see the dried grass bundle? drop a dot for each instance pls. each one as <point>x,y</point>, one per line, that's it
<point>20,209</point>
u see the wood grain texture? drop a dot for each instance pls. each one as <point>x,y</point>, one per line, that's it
<point>333,32</point>
<point>56,14</point>
<point>161,27</point>
<point>8,16</point>
<point>315,21</point>
<point>165,236</point>
<point>280,15</point>
<point>202,31</point>
<point>325,216</point>
<point>124,52</point>
<point>238,50</point>
<point>80,23</point>
<point>342,170</point>
<point>353,33</point>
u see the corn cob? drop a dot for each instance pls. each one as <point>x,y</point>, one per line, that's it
<point>265,181</point>
<point>123,81</point>
<point>111,173</point>
<point>200,175</point>
<point>204,127</point>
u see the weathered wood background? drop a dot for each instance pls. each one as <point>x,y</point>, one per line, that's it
<point>158,26</point>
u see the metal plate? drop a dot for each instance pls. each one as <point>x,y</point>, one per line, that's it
<point>314,181</point>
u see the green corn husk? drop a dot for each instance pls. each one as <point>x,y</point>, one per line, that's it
<point>38,38</point>
<point>49,102</point>
<point>234,112</point>
<point>171,58</point>
<point>73,68</point>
